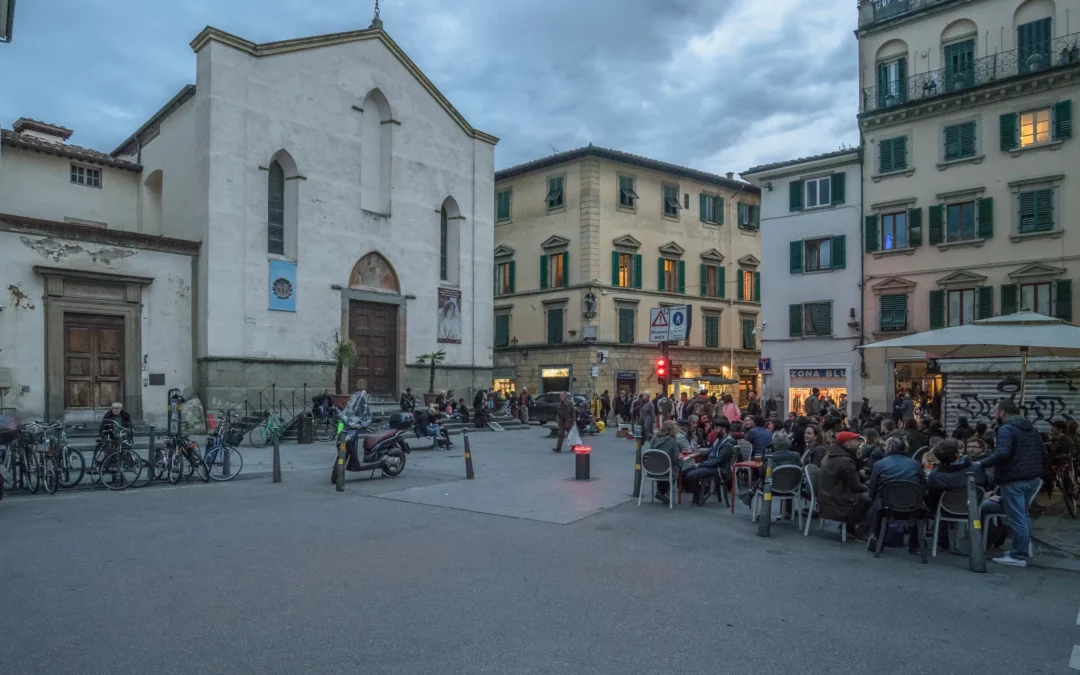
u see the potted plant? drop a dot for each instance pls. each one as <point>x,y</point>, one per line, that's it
<point>343,353</point>
<point>433,359</point>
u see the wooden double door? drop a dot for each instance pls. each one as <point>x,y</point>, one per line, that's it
<point>93,361</point>
<point>373,328</point>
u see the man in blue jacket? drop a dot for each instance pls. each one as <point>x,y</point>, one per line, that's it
<point>717,463</point>
<point>894,466</point>
<point>1018,454</point>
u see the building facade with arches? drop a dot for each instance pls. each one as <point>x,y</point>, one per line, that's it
<point>315,187</point>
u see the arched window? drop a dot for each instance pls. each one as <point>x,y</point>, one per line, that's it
<point>151,205</point>
<point>375,152</point>
<point>275,204</point>
<point>443,271</point>
<point>449,241</point>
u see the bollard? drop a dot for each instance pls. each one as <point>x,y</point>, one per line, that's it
<point>225,462</point>
<point>765,517</point>
<point>976,554</point>
<point>468,456</point>
<point>150,453</point>
<point>637,469</point>
<point>340,485</point>
<point>582,453</point>
<point>277,459</point>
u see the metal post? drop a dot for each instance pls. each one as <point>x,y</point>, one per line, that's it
<point>340,487</point>
<point>468,455</point>
<point>152,443</point>
<point>637,468</point>
<point>1023,381</point>
<point>976,554</point>
<point>277,459</point>
<point>765,517</point>
<point>667,360</point>
<point>225,468</point>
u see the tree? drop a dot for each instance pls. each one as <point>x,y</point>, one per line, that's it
<point>343,353</point>
<point>434,359</point>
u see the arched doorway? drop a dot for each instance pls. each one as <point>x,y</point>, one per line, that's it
<point>372,317</point>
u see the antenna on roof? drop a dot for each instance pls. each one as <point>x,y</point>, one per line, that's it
<point>376,22</point>
<point>554,150</point>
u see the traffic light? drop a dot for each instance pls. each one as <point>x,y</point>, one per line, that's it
<point>662,371</point>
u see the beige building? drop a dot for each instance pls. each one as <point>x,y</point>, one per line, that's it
<point>588,241</point>
<point>966,117</point>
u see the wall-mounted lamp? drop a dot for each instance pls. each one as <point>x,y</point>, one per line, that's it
<point>514,344</point>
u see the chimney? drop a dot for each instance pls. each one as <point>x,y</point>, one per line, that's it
<point>730,175</point>
<point>42,130</point>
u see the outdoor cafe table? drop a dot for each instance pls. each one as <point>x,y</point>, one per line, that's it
<point>753,466</point>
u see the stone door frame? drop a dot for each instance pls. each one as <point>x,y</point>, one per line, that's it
<point>85,292</point>
<point>348,294</point>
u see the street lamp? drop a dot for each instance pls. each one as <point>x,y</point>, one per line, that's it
<point>7,19</point>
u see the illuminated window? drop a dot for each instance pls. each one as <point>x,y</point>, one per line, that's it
<point>1035,127</point>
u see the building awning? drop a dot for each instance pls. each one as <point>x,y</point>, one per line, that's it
<point>711,379</point>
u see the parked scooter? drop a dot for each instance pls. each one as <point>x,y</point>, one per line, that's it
<point>384,449</point>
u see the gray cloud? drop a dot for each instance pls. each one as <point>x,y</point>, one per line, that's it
<point>714,85</point>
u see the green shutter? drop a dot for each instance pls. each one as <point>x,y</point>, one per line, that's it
<point>839,252</point>
<point>712,331</point>
<point>682,276</point>
<point>555,326</point>
<point>513,274</point>
<point>757,286</point>
<point>701,207</point>
<point>952,142</point>
<point>1028,212</point>
<point>795,320</point>
<point>937,224</point>
<point>565,268</point>
<point>614,268</point>
<point>495,279</point>
<point>721,271</point>
<point>914,227</point>
<point>937,309</point>
<point>742,287</point>
<point>823,318</point>
<point>1009,132</point>
<point>796,257</point>
<point>741,222</point>
<point>1009,298</point>
<point>967,139</point>
<point>637,270</point>
<point>882,84</point>
<point>1063,299</point>
<point>543,271</point>
<point>660,280</point>
<point>795,194</point>
<point>900,153</point>
<point>719,210</point>
<point>893,312</point>
<point>704,279</point>
<point>839,187</point>
<point>885,156</point>
<point>756,210</point>
<point>502,330</point>
<point>1044,210</point>
<point>985,207</point>
<point>984,302</point>
<point>626,325</point>
<point>870,234</point>
<point>1062,120</point>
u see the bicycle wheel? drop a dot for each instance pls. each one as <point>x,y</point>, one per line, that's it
<point>260,435</point>
<point>1068,493</point>
<point>197,465</point>
<point>224,463</point>
<point>176,466</point>
<point>30,473</point>
<point>50,475</point>
<point>325,429</point>
<point>161,463</point>
<point>72,467</point>
<point>113,474</point>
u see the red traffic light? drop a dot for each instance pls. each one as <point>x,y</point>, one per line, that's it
<point>661,367</point>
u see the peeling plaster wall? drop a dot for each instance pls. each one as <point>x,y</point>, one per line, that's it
<point>302,102</point>
<point>166,314</point>
<point>39,186</point>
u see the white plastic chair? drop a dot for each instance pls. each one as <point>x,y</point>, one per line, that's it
<point>952,508</point>
<point>787,486</point>
<point>812,472</point>
<point>655,467</point>
<point>994,517</point>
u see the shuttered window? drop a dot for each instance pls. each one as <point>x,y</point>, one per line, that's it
<point>626,325</point>
<point>960,141</point>
<point>502,204</point>
<point>627,196</point>
<point>817,319</point>
<point>555,326</point>
<point>1036,211</point>
<point>504,278</point>
<point>712,331</point>
<point>892,154</point>
<point>749,340</point>
<point>814,255</point>
<point>712,281</point>
<point>893,312</point>
<point>711,208</point>
<point>556,196</point>
<point>502,330</point>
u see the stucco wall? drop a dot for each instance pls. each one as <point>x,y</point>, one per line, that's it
<point>39,186</point>
<point>165,314</point>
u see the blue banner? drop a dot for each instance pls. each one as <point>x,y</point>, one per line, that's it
<point>282,286</point>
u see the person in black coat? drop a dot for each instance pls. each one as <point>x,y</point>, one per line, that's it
<point>951,472</point>
<point>894,466</point>
<point>115,413</point>
<point>961,428</point>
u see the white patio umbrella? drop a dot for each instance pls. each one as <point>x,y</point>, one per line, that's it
<point>1023,333</point>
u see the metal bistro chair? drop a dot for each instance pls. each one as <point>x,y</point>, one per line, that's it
<point>920,452</point>
<point>655,467</point>
<point>813,474</point>
<point>994,517</point>
<point>746,451</point>
<point>908,497</point>
<point>786,487</point>
<point>952,508</point>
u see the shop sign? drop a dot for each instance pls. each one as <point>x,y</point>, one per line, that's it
<point>819,373</point>
<point>713,372</point>
<point>626,375</point>
<point>747,372</point>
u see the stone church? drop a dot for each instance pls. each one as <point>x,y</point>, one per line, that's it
<point>297,191</point>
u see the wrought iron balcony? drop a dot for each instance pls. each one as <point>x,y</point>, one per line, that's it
<point>1038,57</point>
<point>883,10</point>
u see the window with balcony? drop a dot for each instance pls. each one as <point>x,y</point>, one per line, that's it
<point>894,231</point>
<point>1033,45</point>
<point>892,83</point>
<point>959,65</point>
<point>893,313</point>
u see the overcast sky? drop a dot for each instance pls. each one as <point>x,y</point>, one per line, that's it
<point>718,85</point>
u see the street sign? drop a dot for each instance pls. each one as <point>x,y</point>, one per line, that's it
<point>764,365</point>
<point>601,355</point>
<point>669,324</point>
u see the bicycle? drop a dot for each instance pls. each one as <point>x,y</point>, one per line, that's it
<point>326,423</point>
<point>180,458</point>
<point>262,435</point>
<point>120,462</point>
<point>72,464</point>
<point>1065,479</point>
<point>221,459</point>
<point>18,465</point>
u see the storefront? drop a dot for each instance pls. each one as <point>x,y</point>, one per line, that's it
<point>555,378</point>
<point>503,380</point>
<point>711,380</point>
<point>974,387</point>
<point>916,378</point>
<point>801,381</point>
<point>626,382</point>
<point>747,383</point>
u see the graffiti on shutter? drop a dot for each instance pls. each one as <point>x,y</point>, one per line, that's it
<point>1050,396</point>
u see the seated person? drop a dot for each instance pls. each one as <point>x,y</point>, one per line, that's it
<point>117,414</point>
<point>894,466</point>
<point>814,439</point>
<point>321,404</point>
<point>841,496</point>
<point>716,463</point>
<point>463,410</point>
<point>951,472</point>
<point>666,440</point>
<point>779,451</point>
<point>871,450</point>
<point>758,435</point>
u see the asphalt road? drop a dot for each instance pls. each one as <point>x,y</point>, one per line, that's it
<point>253,577</point>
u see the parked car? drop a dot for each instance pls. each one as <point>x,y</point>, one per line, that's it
<point>545,407</point>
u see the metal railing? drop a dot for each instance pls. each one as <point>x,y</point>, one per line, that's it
<point>1055,53</point>
<point>893,320</point>
<point>883,10</point>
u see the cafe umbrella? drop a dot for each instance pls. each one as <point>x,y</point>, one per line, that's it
<point>1023,333</point>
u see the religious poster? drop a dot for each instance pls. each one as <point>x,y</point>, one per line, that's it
<point>450,315</point>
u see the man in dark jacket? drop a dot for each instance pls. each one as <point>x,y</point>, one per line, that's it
<point>840,494</point>
<point>915,439</point>
<point>717,463</point>
<point>950,473</point>
<point>753,408</point>
<point>1018,455</point>
<point>116,414</point>
<point>812,405</point>
<point>564,418</point>
<point>771,407</point>
<point>893,467</point>
<point>760,438</point>
<point>898,407</point>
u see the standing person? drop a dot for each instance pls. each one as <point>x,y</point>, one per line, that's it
<point>812,404</point>
<point>753,408</point>
<point>898,408</point>
<point>865,412</point>
<point>605,405</point>
<point>730,409</point>
<point>907,407</point>
<point>935,404</point>
<point>771,407</point>
<point>647,415</point>
<point>1018,454</point>
<point>843,406</point>
<point>524,401</point>
<point>962,427</point>
<point>683,411</point>
<point>564,418</point>
<point>667,407</point>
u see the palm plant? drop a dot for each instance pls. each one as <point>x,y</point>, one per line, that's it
<point>434,359</point>
<point>343,353</point>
